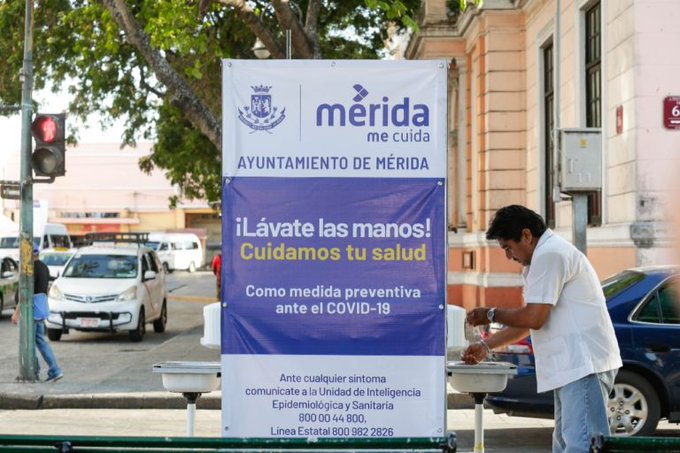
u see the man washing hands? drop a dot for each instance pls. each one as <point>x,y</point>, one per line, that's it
<point>564,310</point>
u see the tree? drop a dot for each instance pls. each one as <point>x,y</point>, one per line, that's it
<point>156,63</point>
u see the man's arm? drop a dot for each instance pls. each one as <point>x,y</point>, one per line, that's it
<point>15,315</point>
<point>517,320</point>
<point>477,352</point>
<point>530,316</point>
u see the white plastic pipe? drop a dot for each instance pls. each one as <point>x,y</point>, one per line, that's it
<point>479,429</point>
<point>191,415</point>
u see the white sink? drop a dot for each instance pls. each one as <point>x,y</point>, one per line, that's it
<point>189,377</point>
<point>484,377</point>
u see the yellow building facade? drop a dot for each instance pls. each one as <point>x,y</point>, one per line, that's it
<point>520,70</point>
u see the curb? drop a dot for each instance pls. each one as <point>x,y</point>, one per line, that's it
<point>455,400</point>
<point>200,299</point>
<point>156,400</point>
<point>105,401</point>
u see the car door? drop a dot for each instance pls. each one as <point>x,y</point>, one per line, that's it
<point>9,282</point>
<point>165,255</point>
<point>656,333</point>
<point>153,285</point>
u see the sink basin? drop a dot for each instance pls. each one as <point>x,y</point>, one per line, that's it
<point>484,377</point>
<point>189,377</point>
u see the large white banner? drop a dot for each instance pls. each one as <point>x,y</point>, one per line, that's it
<point>334,248</point>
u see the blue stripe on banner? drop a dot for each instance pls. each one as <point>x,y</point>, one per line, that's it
<point>336,266</point>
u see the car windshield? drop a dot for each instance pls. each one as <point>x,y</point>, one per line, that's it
<point>102,266</point>
<point>620,282</point>
<point>153,245</point>
<point>13,242</point>
<point>55,259</point>
<point>9,242</point>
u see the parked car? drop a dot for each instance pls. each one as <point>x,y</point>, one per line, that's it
<point>109,288</point>
<point>9,283</point>
<point>55,259</point>
<point>177,251</point>
<point>645,309</point>
<point>45,236</point>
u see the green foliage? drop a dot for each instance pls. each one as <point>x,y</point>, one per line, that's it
<point>188,156</point>
<point>456,7</point>
<point>78,45</point>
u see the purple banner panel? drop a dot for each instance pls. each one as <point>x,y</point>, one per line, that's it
<point>333,266</point>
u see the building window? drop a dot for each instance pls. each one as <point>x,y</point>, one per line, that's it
<point>548,134</point>
<point>593,78</point>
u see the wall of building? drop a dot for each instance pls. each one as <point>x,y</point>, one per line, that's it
<point>498,156</point>
<point>656,69</point>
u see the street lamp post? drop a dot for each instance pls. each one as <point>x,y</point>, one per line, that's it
<point>260,50</point>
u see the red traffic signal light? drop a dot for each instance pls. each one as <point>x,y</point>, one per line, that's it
<point>49,156</point>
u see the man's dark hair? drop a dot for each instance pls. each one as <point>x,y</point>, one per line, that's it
<point>509,222</point>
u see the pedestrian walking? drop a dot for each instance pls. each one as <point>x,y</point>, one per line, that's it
<point>564,310</point>
<point>41,278</point>
<point>217,271</point>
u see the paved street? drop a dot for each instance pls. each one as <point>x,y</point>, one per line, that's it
<point>100,363</point>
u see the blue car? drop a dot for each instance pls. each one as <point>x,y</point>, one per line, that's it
<point>645,308</point>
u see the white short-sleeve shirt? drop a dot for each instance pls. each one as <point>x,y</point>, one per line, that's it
<point>577,338</point>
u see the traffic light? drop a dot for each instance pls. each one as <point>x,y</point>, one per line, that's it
<point>49,155</point>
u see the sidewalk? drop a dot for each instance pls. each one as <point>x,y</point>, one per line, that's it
<point>100,383</point>
<point>499,430</point>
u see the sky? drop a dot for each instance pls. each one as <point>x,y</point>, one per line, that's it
<point>90,132</point>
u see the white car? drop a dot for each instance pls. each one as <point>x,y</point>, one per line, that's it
<point>9,283</point>
<point>56,259</point>
<point>108,289</point>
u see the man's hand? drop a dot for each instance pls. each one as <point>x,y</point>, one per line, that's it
<point>477,316</point>
<point>474,354</point>
<point>15,316</point>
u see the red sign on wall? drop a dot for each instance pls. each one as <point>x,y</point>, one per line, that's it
<point>671,112</point>
<point>619,119</point>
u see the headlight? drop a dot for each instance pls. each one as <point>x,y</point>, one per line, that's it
<point>128,294</point>
<point>55,293</point>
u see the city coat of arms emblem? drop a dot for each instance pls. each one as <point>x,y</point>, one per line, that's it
<point>261,115</point>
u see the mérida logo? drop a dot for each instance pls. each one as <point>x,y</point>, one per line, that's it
<point>400,113</point>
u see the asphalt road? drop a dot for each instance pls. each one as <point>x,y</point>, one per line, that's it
<point>95,363</point>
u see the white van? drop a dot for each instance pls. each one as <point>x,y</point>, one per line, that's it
<point>177,250</point>
<point>49,235</point>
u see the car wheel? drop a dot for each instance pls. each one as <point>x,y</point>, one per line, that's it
<point>140,330</point>
<point>54,334</point>
<point>166,268</point>
<point>2,305</point>
<point>633,406</point>
<point>159,324</point>
<point>192,267</point>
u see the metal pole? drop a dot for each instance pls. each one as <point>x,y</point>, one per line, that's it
<point>557,150</point>
<point>26,323</point>
<point>579,206</point>
<point>191,398</point>
<point>479,422</point>
<point>191,416</point>
<point>289,44</point>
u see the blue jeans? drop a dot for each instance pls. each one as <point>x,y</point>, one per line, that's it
<point>581,412</point>
<point>43,346</point>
